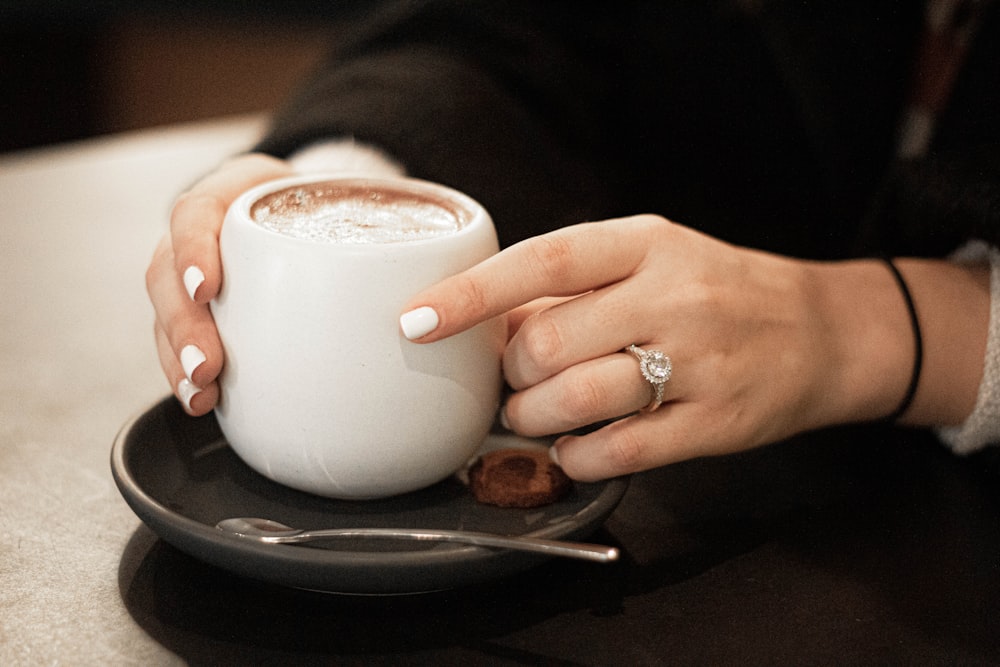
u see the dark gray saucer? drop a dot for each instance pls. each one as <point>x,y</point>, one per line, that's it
<point>179,475</point>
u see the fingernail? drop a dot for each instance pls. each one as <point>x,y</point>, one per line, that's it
<point>503,418</point>
<point>191,358</point>
<point>554,455</point>
<point>186,390</point>
<point>193,278</point>
<point>419,322</point>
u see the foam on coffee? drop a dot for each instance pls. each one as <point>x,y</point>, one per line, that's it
<point>356,214</point>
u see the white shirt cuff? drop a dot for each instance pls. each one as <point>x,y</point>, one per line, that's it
<point>982,427</point>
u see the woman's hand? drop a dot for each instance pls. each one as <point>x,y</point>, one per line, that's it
<point>185,274</point>
<point>755,340</point>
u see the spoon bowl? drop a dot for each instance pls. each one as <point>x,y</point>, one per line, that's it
<point>268,531</point>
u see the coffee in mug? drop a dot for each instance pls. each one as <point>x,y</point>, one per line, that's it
<point>337,212</point>
<point>320,391</point>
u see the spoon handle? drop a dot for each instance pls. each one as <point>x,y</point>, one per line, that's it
<point>582,550</point>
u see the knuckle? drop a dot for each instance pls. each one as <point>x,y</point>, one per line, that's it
<point>184,201</point>
<point>514,418</point>
<point>541,341</point>
<point>626,450</point>
<point>192,206</point>
<point>653,222</point>
<point>584,399</point>
<point>151,273</point>
<point>553,256</point>
<point>161,257</point>
<point>522,419</point>
<point>651,226</point>
<point>700,296</point>
<point>257,162</point>
<point>473,296</point>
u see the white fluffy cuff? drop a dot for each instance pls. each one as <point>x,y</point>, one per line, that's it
<point>982,427</point>
<point>345,156</point>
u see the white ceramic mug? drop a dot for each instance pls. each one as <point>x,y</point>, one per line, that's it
<point>320,390</point>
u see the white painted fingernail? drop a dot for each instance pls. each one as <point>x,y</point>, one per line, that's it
<point>191,358</point>
<point>186,390</point>
<point>554,455</point>
<point>503,418</point>
<point>193,278</point>
<point>419,322</point>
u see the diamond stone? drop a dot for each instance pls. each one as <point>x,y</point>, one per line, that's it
<point>656,367</point>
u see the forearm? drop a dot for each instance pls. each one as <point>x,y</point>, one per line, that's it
<point>873,342</point>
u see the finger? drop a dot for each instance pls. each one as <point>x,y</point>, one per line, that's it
<point>566,262</point>
<point>517,316</point>
<point>587,327</point>
<point>581,395</point>
<point>197,217</point>
<point>196,400</point>
<point>676,432</point>
<point>188,327</point>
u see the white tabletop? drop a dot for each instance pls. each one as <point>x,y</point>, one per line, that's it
<point>78,224</point>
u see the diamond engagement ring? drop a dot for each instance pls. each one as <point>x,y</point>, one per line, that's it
<point>656,368</point>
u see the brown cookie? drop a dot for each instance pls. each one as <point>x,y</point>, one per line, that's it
<point>517,478</point>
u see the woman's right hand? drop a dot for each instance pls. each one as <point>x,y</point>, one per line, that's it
<point>186,273</point>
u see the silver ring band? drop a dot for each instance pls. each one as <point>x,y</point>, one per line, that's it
<point>657,368</point>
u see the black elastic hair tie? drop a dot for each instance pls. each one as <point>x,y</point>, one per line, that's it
<point>918,357</point>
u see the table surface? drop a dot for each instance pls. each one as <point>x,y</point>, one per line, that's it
<point>850,546</point>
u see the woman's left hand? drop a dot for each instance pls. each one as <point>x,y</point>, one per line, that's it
<point>755,357</point>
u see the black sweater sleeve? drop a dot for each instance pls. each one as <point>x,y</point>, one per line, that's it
<point>553,113</point>
<point>769,129</point>
<point>491,98</point>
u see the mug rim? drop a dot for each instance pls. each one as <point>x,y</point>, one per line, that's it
<point>477,213</point>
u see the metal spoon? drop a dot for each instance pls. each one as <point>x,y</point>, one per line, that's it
<point>272,532</point>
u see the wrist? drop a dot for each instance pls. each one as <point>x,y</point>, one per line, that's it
<point>869,337</point>
<point>953,303</point>
<point>918,344</point>
<point>870,341</point>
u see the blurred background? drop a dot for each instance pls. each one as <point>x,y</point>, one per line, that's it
<point>71,69</point>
